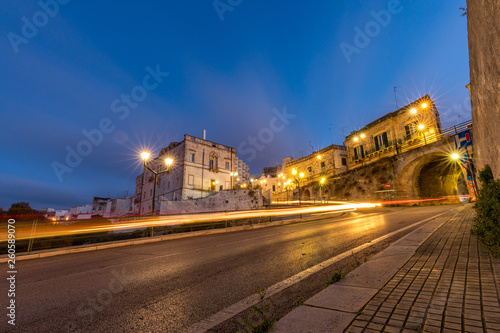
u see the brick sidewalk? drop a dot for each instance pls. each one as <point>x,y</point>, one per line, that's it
<point>449,285</point>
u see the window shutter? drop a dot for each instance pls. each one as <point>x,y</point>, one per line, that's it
<point>384,138</point>
<point>377,147</point>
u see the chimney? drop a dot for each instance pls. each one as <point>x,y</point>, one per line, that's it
<point>204,134</point>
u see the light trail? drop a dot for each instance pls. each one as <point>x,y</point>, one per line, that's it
<point>93,226</point>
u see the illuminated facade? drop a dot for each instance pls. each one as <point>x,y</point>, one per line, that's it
<point>200,168</point>
<point>410,127</point>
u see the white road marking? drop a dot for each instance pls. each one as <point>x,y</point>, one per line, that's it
<point>251,300</point>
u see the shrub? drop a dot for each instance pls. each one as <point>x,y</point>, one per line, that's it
<point>487,221</point>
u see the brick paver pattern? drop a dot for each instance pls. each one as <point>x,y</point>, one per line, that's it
<point>449,285</point>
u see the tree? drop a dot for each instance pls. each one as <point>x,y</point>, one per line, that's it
<point>21,208</point>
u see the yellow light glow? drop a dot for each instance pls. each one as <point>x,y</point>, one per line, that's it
<point>322,180</point>
<point>279,184</point>
<point>356,139</point>
<point>145,155</point>
<point>301,175</point>
<point>318,157</point>
<point>455,156</point>
<point>265,181</point>
<point>421,126</point>
<point>294,172</point>
<point>413,111</point>
<point>363,136</point>
<point>251,179</point>
<point>169,161</point>
<point>424,105</point>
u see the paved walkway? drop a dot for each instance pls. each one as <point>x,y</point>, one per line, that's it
<point>449,285</point>
<point>436,279</point>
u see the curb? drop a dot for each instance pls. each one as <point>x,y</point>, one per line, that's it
<point>333,309</point>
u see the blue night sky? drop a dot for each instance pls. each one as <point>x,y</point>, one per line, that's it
<point>71,74</point>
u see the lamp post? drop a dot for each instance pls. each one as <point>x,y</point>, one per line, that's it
<point>168,162</point>
<point>321,183</point>
<point>301,175</point>
<point>233,174</point>
<point>421,128</point>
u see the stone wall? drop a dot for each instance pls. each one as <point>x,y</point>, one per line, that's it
<point>483,20</point>
<point>224,200</point>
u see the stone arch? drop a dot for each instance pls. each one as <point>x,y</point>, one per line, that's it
<point>306,195</point>
<point>429,176</point>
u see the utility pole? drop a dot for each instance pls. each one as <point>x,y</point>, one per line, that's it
<point>396,97</point>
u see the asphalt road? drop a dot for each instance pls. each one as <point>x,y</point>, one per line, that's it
<point>169,286</point>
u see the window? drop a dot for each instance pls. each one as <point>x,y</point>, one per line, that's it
<point>274,188</point>
<point>191,180</point>
<point>168,185</point>
<point>227,165</point>
<point>359,153</point>
<point>191,157</point>
<point>213,161</point>
<point>411,130</point>
<point>381,141</point>
<point>309,169</point>
<point>322,164</point>
<point>344,161</point>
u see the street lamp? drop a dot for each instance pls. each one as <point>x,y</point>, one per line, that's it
<point>301,175</point>
<point>321,184</point>
<point>421,128</point>
<point>168,162</point>
<point>233,174</point>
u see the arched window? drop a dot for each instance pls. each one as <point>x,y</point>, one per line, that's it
<point>213,161</point>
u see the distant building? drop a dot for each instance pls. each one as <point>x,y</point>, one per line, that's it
<point>271,171</point>
<point>410,127</point>
<point>108,207</point>
<point>243,176</point>
<point>200,168</point>
<point>55,214</point>
<point>80,212</point>
<point>122,206</point>
<point>101,206</point>
<point>308,172</point>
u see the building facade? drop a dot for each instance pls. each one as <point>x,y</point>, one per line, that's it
<point>483,24</point>
<point>312,173</point>
<point>200,167</point>
<point>411,126</point>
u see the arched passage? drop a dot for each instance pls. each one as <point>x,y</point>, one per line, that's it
<point>436,176</point>
<point>306,195</point>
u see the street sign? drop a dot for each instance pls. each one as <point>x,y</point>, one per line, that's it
<point>463,139</point>
<point>388,185</point>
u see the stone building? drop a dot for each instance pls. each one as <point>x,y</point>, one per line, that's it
<point>325,163</point>
<point>483,22</point>
<point>243,173</point>
<point>200,167</point>
<point>411,126</point>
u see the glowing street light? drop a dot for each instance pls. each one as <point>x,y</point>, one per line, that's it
<point>421,128</point>
<point>168,162</point>
<point>318,157</point>
<point>424,105</point>
<point>455,156</point>
<point>363,135</point>
<point>413,111</point>
<point>321,184</point>
<point>356,139</point>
